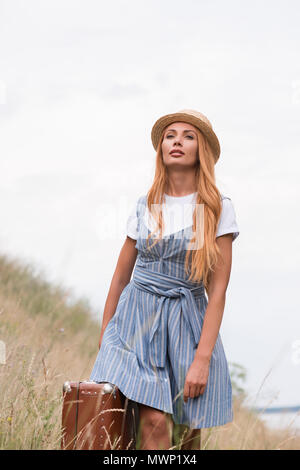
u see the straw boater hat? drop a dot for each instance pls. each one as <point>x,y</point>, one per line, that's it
<point>193,117</point>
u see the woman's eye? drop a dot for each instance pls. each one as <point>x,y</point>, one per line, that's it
<point>170,135</point>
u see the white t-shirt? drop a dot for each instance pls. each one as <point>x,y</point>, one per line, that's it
<point>178,214</point>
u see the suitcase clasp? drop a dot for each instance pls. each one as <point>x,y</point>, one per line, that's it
<point>67,387</point>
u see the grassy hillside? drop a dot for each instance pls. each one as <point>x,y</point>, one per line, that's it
<point>51,338</point>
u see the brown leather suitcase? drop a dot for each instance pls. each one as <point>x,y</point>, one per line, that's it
<point>97,416</point>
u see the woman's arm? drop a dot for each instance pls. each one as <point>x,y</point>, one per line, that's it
<point>197,376</point>
<point>119,281</point>
<point>216,299</point>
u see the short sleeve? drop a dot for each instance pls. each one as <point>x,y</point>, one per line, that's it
<point>132,224</point>
<point>227,222</point>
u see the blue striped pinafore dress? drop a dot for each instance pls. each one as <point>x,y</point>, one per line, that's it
<point>151,340</point>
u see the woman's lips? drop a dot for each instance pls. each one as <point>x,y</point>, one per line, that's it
<point>176,154</point>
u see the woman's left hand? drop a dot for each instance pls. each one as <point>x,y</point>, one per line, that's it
<point>196,379</point>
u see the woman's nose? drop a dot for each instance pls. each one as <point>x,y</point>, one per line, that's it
<point>177,141</point>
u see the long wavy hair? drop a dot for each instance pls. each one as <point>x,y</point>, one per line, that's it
<point>199,262</point>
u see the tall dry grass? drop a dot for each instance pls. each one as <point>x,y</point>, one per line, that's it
<point>51,338</point>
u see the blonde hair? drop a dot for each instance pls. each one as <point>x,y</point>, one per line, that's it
<point>199,263</point>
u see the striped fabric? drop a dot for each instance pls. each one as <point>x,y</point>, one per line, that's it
<point>150,342</point>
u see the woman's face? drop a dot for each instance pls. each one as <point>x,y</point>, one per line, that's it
<point>180,144</point>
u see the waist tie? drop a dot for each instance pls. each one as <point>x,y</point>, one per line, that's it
<point>167,287</point>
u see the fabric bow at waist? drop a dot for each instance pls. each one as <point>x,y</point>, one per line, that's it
<point>168,287</point>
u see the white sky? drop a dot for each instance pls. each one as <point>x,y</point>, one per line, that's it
<point>82,83</point>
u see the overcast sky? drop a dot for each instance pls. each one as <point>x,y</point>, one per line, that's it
<point>82,83</point>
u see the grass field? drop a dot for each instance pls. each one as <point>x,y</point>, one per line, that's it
<point>51,338</point>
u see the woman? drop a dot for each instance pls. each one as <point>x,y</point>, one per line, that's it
<point>160,341</point>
